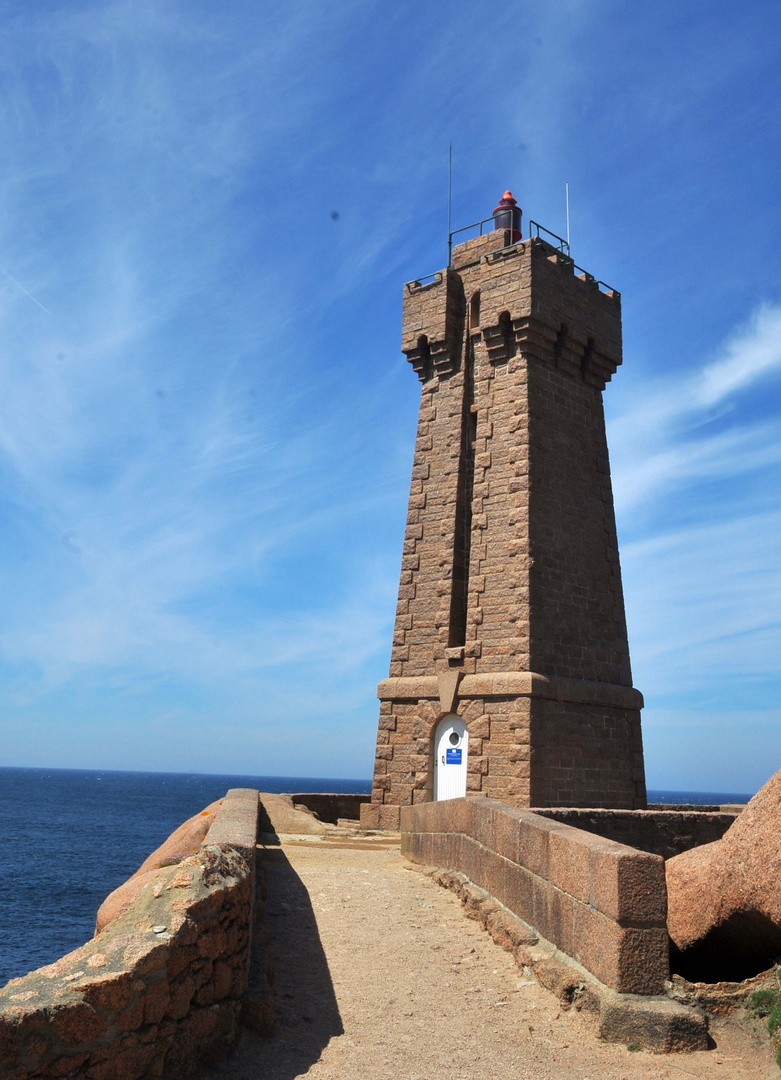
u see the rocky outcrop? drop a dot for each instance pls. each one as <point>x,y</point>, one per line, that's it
<point>184,841</point>
<point>724,898</point>
<point>281,816</point>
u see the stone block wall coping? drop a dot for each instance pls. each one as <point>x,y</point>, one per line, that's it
<point>236,823</point>
<point>666,832</point>
<point>494,684</point>
<point>158,991</point>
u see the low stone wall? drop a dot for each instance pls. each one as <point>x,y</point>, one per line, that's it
<point>331,806</point>
<point>663,832</point>
<point>159,990</point>
<point>600,902</point>
<point>380,816</point>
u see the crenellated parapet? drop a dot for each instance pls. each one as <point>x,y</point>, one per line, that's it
<point>433,323</point>
<point>533,301</point>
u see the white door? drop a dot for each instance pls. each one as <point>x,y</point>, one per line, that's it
<point>450,747</point>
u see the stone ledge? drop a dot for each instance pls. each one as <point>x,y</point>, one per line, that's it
<point>236,822</point>
<point>655,1023</point>
<point>409,689</point>
<point>514,684</point>
<point>659,1024</point>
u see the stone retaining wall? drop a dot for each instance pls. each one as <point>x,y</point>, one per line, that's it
<point>663,832</point>
<point>600,902</point>
<point>331,806</point>
<point>159,990</point>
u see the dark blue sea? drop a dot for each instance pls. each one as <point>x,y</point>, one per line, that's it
<point>69,837</point>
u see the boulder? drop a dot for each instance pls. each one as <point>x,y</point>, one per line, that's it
<point>118,901</point>
<point>184,841</point>
<point>724,898</point>
<point>279,816</point>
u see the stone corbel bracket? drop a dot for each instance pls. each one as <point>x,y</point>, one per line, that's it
<point>432,330</point>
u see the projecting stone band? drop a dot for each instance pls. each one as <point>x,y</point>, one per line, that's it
<point>494,684</point>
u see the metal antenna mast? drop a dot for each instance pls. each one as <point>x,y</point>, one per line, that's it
<point>449,200</point>
<point>566,196</point>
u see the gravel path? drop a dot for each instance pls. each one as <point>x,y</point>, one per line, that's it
<point>380,974</point>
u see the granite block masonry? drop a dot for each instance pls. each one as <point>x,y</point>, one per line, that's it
<point>510,611</point>
<point>601,903</point>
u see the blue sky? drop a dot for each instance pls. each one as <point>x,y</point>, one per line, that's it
<point>207,213</point>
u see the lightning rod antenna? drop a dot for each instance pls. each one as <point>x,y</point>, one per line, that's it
<point>566,196</point>
<point>449,202</point>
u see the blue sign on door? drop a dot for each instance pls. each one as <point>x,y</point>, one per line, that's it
<point>453,757</point>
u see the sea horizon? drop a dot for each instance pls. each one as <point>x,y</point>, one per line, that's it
<point>73,835</point>
<point>352,785</point>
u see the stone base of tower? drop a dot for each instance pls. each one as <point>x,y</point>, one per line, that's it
<point>586,755</point>
<point>533,742</point>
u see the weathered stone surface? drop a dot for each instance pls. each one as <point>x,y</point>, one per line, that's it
<point>184,841</point>
<point>724,898</point>
<point>117,902</point>
<point>508,932</point>
<point>659,1024</point>
<point>652,1021</point>
<point>665,831</point>
<point>599,902</point>
<point>559,978</point>
<point>283,818</point>
<point>331,807</point>
<point>721,998</point>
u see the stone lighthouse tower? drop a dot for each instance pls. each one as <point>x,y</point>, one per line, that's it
<point>510,672</point>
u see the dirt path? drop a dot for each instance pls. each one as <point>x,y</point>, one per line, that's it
<point>380,974</point>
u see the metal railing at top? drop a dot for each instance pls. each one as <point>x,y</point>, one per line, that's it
<point>466,228</point>
<point>535,229</point>
<point>563,247</point>
<point>423,281</point>
<point>601,285</point>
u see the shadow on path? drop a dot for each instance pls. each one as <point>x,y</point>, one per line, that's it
<point>307,1015</point>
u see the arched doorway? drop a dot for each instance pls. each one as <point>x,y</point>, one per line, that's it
<point>450,753</point>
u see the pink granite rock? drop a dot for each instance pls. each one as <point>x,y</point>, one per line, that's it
<point>118,901</point>
<point>279,815</point>
<point>184,841</point>
<point>724,898</point>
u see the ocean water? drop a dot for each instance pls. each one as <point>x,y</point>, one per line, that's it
<point>700,798</point>
<point>69,837</point>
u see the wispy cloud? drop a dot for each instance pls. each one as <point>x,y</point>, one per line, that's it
<point>705,603</point>
<point>685,428</point>
<point>752,353</point>
<point>697,470</point>
<point>205,447</point>
<point>156,429</point>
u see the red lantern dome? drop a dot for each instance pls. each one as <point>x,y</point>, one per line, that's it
<point>507,216</point>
